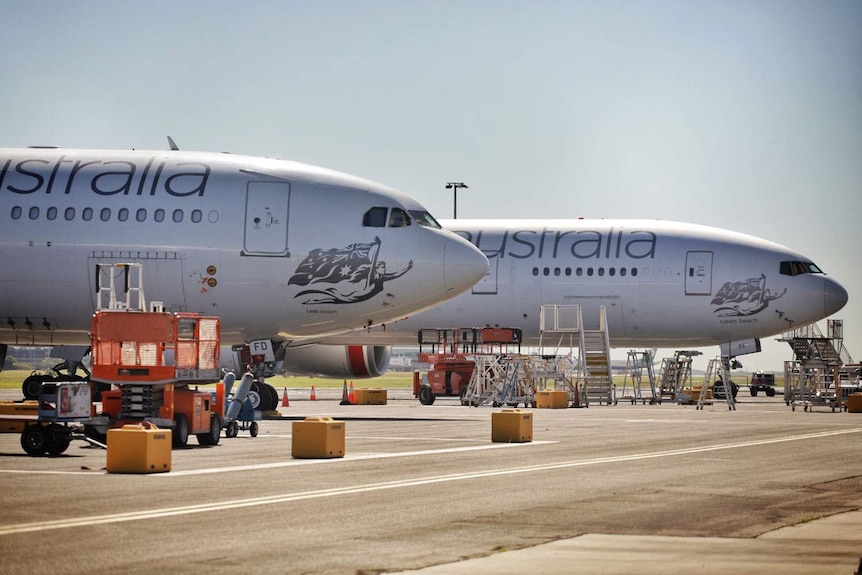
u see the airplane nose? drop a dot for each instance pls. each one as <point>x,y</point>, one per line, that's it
<point>834,296</point>
<point>463,265</point>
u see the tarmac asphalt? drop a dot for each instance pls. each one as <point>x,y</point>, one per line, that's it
<point>423,489</point>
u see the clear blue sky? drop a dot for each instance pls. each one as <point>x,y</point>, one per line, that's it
<point>745,115</point>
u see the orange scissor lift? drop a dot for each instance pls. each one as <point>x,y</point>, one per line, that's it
<point>152,358</point>
<point>452,356</point>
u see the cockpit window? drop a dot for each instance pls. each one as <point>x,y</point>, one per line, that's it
<point>375,218</point>
<point>424,219</point>
<point>398,218</point>
<point>798,268</point>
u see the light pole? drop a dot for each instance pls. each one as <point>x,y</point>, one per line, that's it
<point>454,187</point>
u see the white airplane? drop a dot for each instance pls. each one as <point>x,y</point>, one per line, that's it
<point>278,250</point>
<point>663,284</point>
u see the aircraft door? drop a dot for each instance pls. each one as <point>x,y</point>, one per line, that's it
<point>698,273</point>
<point>266,211</point>
<point>488,284</point>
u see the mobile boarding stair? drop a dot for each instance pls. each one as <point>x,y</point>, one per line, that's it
<point>813,377</point>
<point>500,380</point>
<point>716,382</point>
<point>638,365</point>
<point>595,383</point>
<point>675,382</point>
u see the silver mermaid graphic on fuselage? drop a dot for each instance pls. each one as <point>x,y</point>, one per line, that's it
<point>744,298</point>
<point>354,270</point>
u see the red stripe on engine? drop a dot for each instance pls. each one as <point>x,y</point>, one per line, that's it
<point>356,358</point>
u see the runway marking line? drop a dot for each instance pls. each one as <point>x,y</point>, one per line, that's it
<point>386,485</point>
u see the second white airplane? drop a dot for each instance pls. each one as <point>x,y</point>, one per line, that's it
<point>663,284</point>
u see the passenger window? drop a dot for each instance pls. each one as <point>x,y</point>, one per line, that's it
<point>123,214</point>
<point>34,213</point>
<point>141,215</point>
<point>105,214</point>
<point>70,214</point>
<point>178,216</point>
<point>197,216</point>
<point>87,214</point>
<point>159,215</point>
<point>52,213</point>
<point>16,213</point>
<point>375,218</point>
<point>398,218</point>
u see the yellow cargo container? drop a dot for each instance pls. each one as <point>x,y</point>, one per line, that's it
<point>552,399</point>
<point>12,410</point>
<point>512,426</point>
<point>370,396</point>
<point>317,438</point>
<point>135,449</point>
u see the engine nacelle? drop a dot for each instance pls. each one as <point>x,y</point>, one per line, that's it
<point>355,361</point>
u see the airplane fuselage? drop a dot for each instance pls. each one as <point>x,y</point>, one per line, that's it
<point>663,284</point>
<point>276,249</point>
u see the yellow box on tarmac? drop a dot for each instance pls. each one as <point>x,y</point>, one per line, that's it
<point>512,426</point>
<point>136,449</point>
<point>10,410</point>
<point>370,396</point>
<point>854,403</point>
<point>317,438</point>
<point>552,399</point>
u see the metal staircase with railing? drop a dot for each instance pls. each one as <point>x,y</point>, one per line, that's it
<point>593,365</point>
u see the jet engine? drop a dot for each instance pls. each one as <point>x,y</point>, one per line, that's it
<point>354,361</point>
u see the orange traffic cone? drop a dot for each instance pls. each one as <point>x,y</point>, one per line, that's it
<point>345,399</point>
<point>284,401</point>
<point>352,396</point>
<point>313,394</point>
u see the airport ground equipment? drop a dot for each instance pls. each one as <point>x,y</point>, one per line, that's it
<point>501,380</point>
<point>819,372</point>
<point>63,407</point>
<point>675,382</point>
<point>559,373</point>
<point>240,413</point>
<point>153,357</point>
<point>762,381</point>
<point>512,426</point>
<point>717,373</point>
<point>638,364</point>
<point>560,326</point>
<point>809,387</point>
<point>451,352</point>
<point>317,438</point>
<point>63,371</point>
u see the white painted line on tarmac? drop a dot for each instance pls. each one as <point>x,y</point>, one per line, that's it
<point>294,462</point>
<point>39,526</point>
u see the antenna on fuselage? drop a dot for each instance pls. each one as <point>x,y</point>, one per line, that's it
<point>173,144</point>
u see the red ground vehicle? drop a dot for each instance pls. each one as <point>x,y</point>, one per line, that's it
<point>450,355</point>
<point>152,358</point>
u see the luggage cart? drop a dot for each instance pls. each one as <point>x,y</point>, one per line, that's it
<point>61,404</point>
